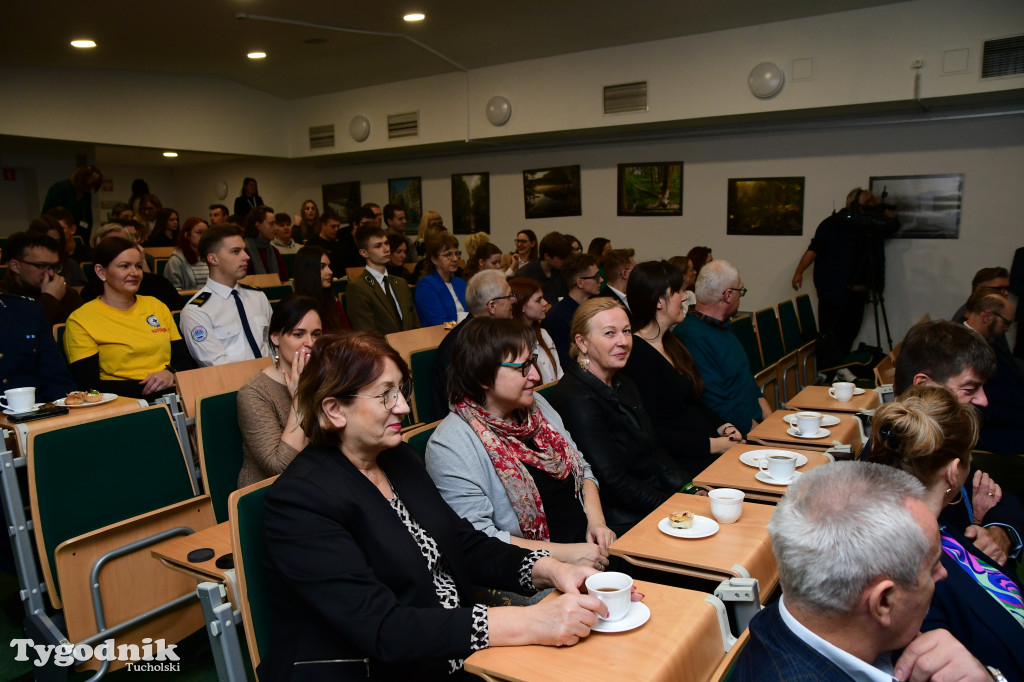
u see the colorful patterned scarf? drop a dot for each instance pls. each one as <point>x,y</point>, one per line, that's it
<point>505,443</point>
<point>991,579</point>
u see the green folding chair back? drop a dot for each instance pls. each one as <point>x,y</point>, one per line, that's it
<point>743,329</point>
<point>289,262</point>
<point>770,336</point>
<point>419,437</point>
<point>338,286</point>
<point>790,326</point>
<point>246,513</point>
<point>278,292</point>
<point>220,448</point>
<point>805,311</point>
<point>421,365</point>
<point>88,476</point>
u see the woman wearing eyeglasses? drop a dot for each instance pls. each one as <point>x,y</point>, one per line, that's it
<point>440,295</point>
<point>525,251</point>
<point>370,572</point>
<point>502,458</point>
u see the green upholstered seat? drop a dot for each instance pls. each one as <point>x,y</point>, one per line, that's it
<point>421,365</point>
<point>743,329</point>
<point>246,512</point>
<point>770,336</point>
<point>278,292</point>
<point>790,326</point>
<point>805,311</point>
<point>220,448</point>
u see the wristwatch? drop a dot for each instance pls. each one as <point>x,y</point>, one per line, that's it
<point>996,674</point>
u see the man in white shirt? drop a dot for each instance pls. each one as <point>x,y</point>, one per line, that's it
<point>618,264</point>
<point>374,300</point>
<point>859,555</point>
<point>226,321</point>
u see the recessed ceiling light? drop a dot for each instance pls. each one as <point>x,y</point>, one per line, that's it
<point>257,55</point>
<point>415,16</point>
<point>83,43</point>
<point>171,155</point>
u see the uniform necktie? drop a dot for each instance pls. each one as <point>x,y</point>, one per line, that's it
<point>391,299</point>
<point>245,325</point>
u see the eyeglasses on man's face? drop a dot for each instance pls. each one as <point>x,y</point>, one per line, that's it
<point>523,366</point>
<point>56,267</point>
<point>511,296</point>
<point>596,275</point>
<point>1009,323</point>
<point>389,397</point>
<point>742,290</point>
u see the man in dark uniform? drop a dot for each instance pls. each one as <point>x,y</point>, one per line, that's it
<point>849,253</point>
<point>28,353</point>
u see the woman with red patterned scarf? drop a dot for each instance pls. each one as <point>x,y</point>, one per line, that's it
<point>502,458</point>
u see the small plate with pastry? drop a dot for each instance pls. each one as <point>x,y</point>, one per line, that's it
<point>85,399</point>
<point>686,524</point>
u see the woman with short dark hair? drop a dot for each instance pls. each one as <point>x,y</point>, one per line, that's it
<point>441,295</point>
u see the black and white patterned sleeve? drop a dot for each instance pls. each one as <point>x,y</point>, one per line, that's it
<point>479,635</point>
<point>526,569</point>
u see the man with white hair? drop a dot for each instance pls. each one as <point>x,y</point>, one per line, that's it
<point>729,387</point>
<point>859,555</point>
<point>488,294</point>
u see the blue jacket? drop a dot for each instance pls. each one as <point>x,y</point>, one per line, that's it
<point>434,303</point>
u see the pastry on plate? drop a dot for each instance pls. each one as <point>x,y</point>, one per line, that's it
<point>683,519</point>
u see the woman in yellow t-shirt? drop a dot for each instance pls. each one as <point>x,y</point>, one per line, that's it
<point>121,342</point>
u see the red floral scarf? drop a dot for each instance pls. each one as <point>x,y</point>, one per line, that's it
<point>505,443</point>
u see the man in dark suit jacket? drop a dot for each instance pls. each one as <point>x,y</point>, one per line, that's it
<point>376,301</point>
<point>841,616</point>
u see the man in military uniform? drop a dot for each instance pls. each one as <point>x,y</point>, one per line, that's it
<point>28,353</point>
<point>375,300</point>
<point>226,321</point>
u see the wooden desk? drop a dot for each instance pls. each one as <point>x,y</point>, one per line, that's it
<point>174,554</point>
<point>772,433</point>
<point>742,549</point>
<point>75,415</point>
<point>681,642</point>
<point>817,398</point>
<point>729,472</point>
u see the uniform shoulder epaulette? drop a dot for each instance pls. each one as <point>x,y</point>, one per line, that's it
<point>202,298</point>
<point>248,286</point>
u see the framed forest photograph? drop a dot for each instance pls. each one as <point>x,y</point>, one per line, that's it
<point>552,192</point>
<point>407,193</point>
<point>471,203</point>
<point>651,189</point>
<point>766,206</point>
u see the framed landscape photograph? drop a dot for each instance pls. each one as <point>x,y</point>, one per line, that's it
<point>407,193</point>
<point>342,198</point>
<point>766,206</point>
<point>552,192</point>
<point>471,203</point>
<point>928,206</point>
<point>651,189</point>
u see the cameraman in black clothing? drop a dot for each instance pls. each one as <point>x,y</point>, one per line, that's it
<point>850,253</point>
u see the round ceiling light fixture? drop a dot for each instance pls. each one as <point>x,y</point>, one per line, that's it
<point>83,43</point>
<point>766,80</point>
<point>415,16</point>
<point>359,128</point>
<point>257,55</point>
<point>171,155</point>
<point>499,110</point>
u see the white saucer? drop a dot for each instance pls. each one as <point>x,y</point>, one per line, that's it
<point>858,391</point>
<point>752,458</point>
<point>765,478</point>
<point>107,397</point>
<point>826,419</point>
<point>702,527</point>
<point>639,613</point>
<point>34,408</point>
<point>820,434</point>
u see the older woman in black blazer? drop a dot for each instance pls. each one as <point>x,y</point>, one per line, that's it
<point>603,412</point>
<point>371,572</point>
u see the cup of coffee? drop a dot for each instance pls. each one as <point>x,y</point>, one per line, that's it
<point>615,590</point>
<point>780,466</point>
<point>842,391</point>
<point>808,423</point>
<point>726,504</point>
<point>19,399</point>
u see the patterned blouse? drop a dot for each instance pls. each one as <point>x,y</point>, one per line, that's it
<point>444,585</point>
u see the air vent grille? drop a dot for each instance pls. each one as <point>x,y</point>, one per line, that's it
<point>625,98</point>
<point>321,136</point>
<point>404,125</point>
<point>1003,57</point>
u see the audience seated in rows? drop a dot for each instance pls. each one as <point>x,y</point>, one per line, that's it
<point>665,373</point>
<point>602,410</point>
<point>530,307</point>
<point>502,459</point>
<point>307,223</point>
<point>271,434</point>
<point>314,278</point>
<point>547,269</point>
<point>377,300</point>
<point>165,229</point>
<point>859,553</point>
<point>226,321</point>
<point>152,284</point>
<point>283,241</point>
<point>185,269</point>
<point>525,252</point>
<point>338,243</point>
<point>264,259</point>
<point>122,342</point>
<point>34,271</point>
<point>729,387</point>
<point>583,279</point>
<point>441,294</point>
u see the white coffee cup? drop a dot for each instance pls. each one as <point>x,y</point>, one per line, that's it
<point>615,590</point>
<point>19,399</point>
<point>726,504</point>
<point>842,391</point>
<point>780,466</point>
<point>808,423</point>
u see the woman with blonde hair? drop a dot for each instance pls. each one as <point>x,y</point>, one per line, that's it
<point>530,307</point>
<point>929,434</point>
<point>430,224</point>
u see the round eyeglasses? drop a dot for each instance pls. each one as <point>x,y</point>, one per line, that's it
<point>389,398</point>
<point>524,366</point>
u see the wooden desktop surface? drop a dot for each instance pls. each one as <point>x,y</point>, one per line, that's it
<point>729,472</point>
<point>772,432</point>
<point>817,398</point>
<point>173,553</point>
<point>75,415</point>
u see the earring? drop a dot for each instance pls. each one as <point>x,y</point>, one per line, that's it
<point>584,362</point>
<point>956,500</point>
